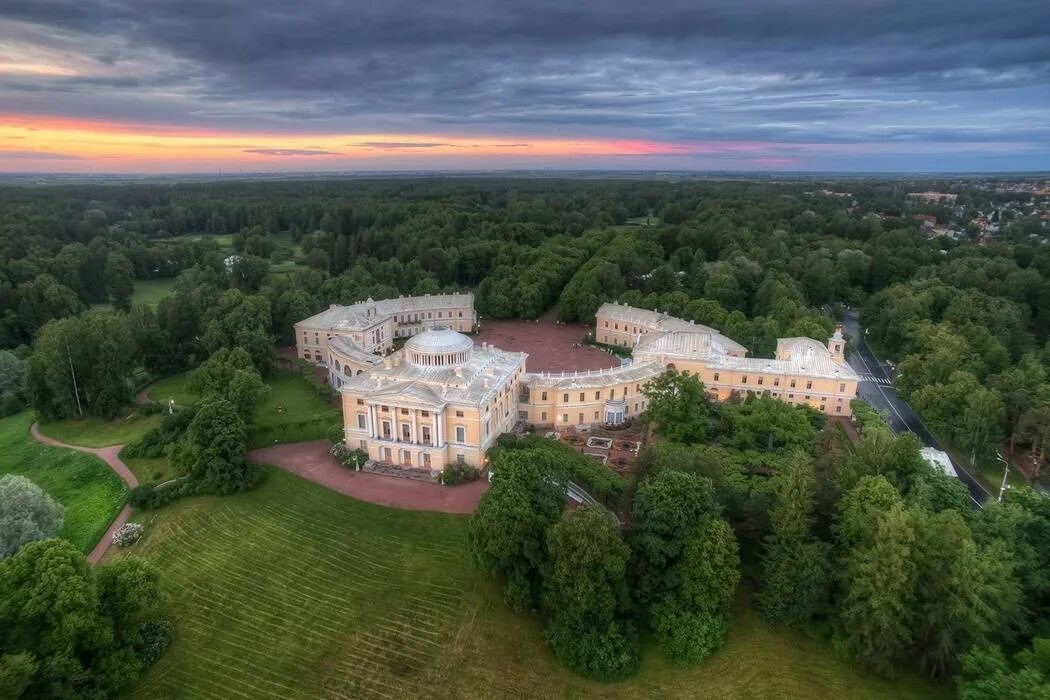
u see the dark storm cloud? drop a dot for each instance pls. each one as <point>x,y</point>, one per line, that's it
<point>773,70</point>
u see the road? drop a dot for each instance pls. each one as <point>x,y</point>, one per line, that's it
<point>876,387</point>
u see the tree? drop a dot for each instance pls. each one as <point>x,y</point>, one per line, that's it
<point>12,376</point>
<point>988,675</point>
<point>1033,428</point>
<point>962,597</point>
<point>211,452</point>
<point>691,619</point>
<point>796,576</point>
<point>508,531</point>
<point>583,581</point>
<point>585,592</point>
<point>27,514</point>
<point>877,614</point>
<point>81,365</point>
<point>667,507</point>
<point>678,405</point>
<point>238,320</point>
<point>764,422</point>
<point>67,630</point>
<point>120,280</point>
<point>230,374</point>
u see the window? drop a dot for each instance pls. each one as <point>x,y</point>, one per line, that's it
<point>807,397</point>
<point>543,416</point>
<point>406,432</point>
<point>595,415</point>
<point>791,396</point>
<point>360,402</point>
<point>809,385</point>
<point>565,398</point>
<point>842,387</point>
<point>581,418</point>
<point>425,414</point>
<point>404,411</point>
<point>360,420</point>
<point>716,376</point>
<point>792,383</point>
<point>838,409</point>
<point>486,428</point>
<point>385,409</point>
<point>460,459</point>
<point>363,444</point>
<point>582,399</point>
<point>743,379</point>
<point>459,414</point>
<point>543,396</point>
<point>461,434</point>
<point>565,418</point>
<point>761,380</point>
<point>776,381</point>
<point>598,394</point>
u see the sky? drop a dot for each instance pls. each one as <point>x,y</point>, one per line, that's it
<point>208,86</point>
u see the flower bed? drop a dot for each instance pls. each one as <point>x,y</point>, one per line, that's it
<point>127,534</point>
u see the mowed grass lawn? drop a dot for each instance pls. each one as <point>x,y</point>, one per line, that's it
<point>281,416</point>
<point>96,432</point>
<point>90,492</point>
<point>150,292</point>
<point>294,591</point>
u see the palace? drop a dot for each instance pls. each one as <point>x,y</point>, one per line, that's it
<point>441,400</point>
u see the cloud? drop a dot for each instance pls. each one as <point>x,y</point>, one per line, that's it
<point>37,155</point>
<point>786,71</point>
<point>289,152</point>
<point>397,145</point>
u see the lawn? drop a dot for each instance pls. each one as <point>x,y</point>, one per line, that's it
<point>150,470</point>
<point>150,292</point>
<point>290,412</point>
<point>294,591</point>
<point>90,492</point>
<point>96,432</point>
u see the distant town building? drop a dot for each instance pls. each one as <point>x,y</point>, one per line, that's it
<point>935,197</point>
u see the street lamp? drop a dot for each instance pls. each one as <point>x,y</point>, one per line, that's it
<point>1006,472</point>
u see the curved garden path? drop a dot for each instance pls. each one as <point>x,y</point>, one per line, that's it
<point>111,456</point>
<point>311,461</point>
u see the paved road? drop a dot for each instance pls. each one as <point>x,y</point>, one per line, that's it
<point>876,387</point>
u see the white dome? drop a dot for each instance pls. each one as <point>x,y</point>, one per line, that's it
<point>438,347</point>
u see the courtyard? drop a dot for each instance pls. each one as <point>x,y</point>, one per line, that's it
<point>552,346</point>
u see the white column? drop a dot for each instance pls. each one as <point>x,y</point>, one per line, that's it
<point>434,431</point>
<point>415,434</point>
<point>441,430</point>
<point>373,428</point>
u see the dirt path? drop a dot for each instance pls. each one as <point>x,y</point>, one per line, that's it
<point>311,460</point>
<point>111,456</point>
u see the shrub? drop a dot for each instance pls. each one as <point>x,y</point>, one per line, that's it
<point>455,474</point>
<point>609,654</point>
<point>349,459</point>
<point>153,640</point>
<point>127,534</point>
<point>601,482</point>
<point>336,433</point>
<point>687,637</point>
<point>155,443</point>
<point>149,496</point>
<point>866,416</point>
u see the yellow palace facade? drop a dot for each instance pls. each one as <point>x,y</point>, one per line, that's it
<point>442,400</point>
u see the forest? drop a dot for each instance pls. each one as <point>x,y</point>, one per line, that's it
<point>898,568</point>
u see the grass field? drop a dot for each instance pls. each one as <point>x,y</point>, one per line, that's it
<point>294,591</point>
<point>290,412</point>
<point>95,432</point>
<point>91,494</point>
<point>150,470</point>
<point>150,292</point>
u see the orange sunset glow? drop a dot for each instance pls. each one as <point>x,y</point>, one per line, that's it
<point>121,146</point>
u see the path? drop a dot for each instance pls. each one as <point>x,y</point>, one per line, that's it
<point>111,456</point>
<point>311,461</point>
<point>876,387</point>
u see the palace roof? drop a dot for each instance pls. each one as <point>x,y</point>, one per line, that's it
<point>366,314</point>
